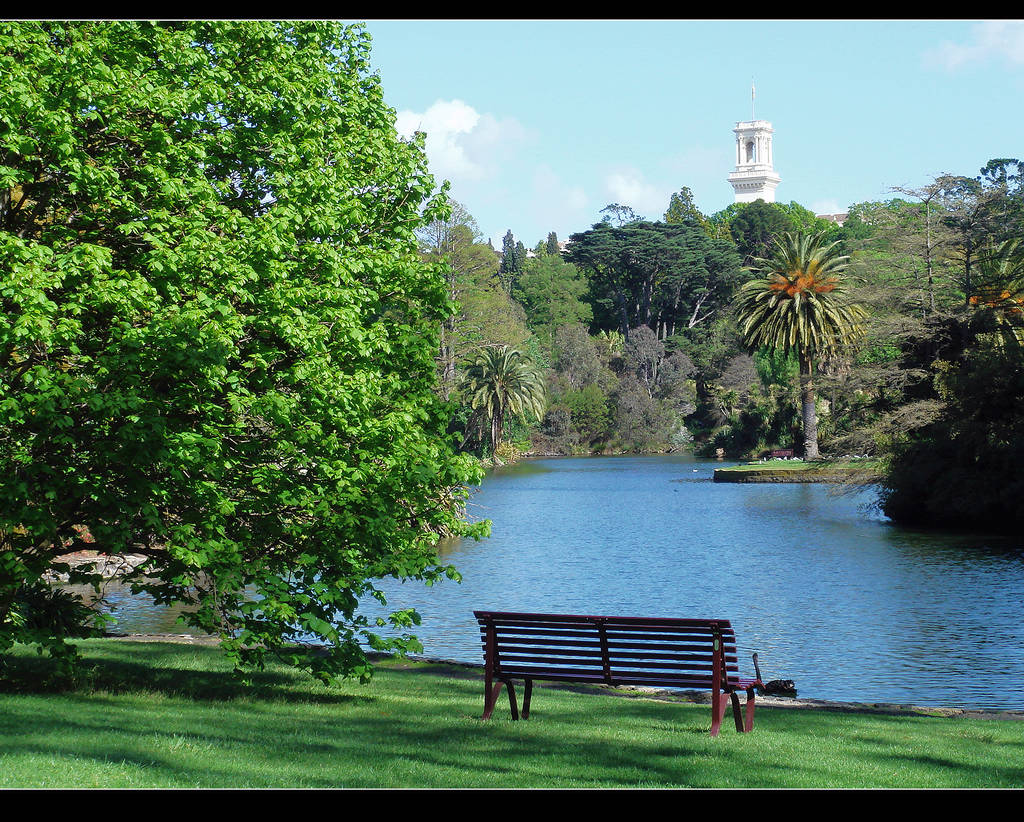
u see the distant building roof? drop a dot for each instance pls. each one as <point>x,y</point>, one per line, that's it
<point>838,219</point>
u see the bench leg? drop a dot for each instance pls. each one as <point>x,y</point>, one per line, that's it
<point>736,711</point>
<point>528,691</point>
<point>743,724</point>
<point>491,698</point>
<point>749,726</point>
<point>512,700</point>
<point>718,703</point>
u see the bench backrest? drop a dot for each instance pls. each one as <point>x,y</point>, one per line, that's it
<point>607,649</point>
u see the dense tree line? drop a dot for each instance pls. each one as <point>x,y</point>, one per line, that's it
<point>646,343</point>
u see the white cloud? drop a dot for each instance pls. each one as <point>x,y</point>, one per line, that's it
<point>999,39</point>
<point>628,187</point>
<point>462,144</point>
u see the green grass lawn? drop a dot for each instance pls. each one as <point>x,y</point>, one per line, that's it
<point>800,465</point>
<point>828,470</point>
<point>165,715</point>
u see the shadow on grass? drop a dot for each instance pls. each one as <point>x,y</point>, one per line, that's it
<point>416,730</point>
<point>198,673</point>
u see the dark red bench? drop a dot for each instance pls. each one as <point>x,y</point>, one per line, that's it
<point>603,650</point>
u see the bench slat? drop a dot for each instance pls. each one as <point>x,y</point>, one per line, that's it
<point>593,628</point>
<point>624,640</point>
<point>583,642</point>
<point>567,658</point>
<point>581,658</point>
<point>525,616</point>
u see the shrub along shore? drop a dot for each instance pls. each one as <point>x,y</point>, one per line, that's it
<point>165,714</point>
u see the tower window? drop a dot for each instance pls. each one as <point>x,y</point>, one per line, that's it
<point>750,151</point>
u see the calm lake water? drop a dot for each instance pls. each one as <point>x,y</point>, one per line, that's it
<point>827,592</point>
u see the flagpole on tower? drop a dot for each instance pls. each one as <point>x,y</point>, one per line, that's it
<point>752,99</point>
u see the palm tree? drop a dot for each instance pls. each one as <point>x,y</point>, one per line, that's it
<point>800,304</point>
<point>504,381</point>
<point>999,287</point>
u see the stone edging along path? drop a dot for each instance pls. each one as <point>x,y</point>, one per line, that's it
<point>465,670</point>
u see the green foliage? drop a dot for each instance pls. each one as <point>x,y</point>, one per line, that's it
<point>964,469</point>
<point>756,227</point>
<point>775,366</point>
<point>551,292</point>
<point>999,285</point>
<point>643,423</point>
<point>765,421</point>
<point>807,222</point>
<point>682,209</point>
<point>589,412</point>
<point>800,306</point>
<point>503,382</point>
<point>576,356</point>
<point>485,314</point>
<point>217,344</point>
<point>513,258</point>
<point>667,277</point>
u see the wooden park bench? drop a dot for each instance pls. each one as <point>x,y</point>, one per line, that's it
<point>603,650</point>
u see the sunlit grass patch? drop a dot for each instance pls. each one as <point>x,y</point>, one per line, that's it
<point>180,719</point>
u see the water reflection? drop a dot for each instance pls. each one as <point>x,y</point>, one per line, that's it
<point>136,613</point>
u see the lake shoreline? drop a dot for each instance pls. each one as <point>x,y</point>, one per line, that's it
<point>468,670</point>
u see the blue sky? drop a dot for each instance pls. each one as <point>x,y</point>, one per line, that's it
<point>540,124</point>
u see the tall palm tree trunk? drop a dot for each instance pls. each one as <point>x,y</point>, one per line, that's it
<point>810,417</point>
<point>496,429</point>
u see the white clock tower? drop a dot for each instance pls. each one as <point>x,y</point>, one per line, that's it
<point>754,177</point>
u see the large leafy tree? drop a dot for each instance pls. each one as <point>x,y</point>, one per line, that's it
<point>551,292</point>
<point>962,468</point>
<point>682,208</point>
<point>756,226</point>
<point>217,338</point>
<point>800,305</point>
<point>668,277</point>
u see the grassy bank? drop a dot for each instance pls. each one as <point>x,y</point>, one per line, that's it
<point>165,715</point>
<point>859,471</point>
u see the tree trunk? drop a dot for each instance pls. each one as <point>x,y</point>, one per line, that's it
<point>807,407</point>
<point>496,426</point>
<point>447,357</point>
